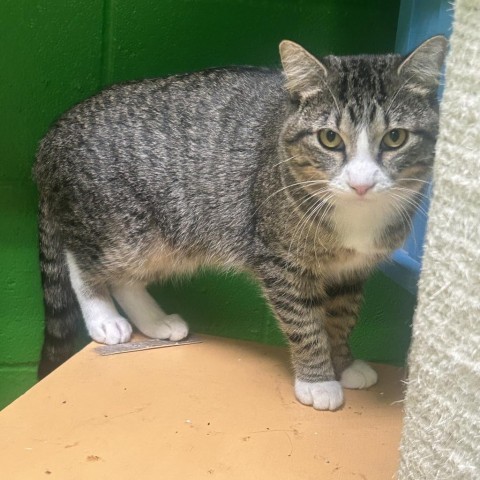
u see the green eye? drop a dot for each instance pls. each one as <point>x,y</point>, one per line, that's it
<point>395,138</point>
<point>330,139</point>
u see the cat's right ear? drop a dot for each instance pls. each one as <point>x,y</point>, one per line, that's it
<point>305,74</point>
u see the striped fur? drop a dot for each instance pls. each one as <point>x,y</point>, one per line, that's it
<point>61,307</point>
<point>225,168</point>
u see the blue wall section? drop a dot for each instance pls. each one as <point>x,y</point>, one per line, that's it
<point>417,21</point>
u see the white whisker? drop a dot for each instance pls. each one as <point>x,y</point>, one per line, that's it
<point>306,217</point>
<point>412,180</point>
<point>312,218</point>
<point>410,191</point>
<point>303,220</point>
<point>296,206</point>
<point>330,206</point>
<point>416,205</point>
<point>304,183</point>
<point>284,161</point>
<point>406,218</point>
<point>396,94</point>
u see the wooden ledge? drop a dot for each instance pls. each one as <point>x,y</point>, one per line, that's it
<point>221,409</point>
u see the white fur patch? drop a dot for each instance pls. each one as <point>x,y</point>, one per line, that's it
<point>359,221</point>
<point>359,218</point>
<point>103,322</point>
<point>321,395</point>
<point>147,316</point>
<point>362,168</point>
<point>359,375</point>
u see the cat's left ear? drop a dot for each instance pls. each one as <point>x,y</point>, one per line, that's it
<point>304,72</point>
<point>424,64</point>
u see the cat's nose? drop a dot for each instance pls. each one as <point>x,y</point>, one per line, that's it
<point>361,189</point>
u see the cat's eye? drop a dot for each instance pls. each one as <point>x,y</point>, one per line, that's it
<point>395,138</point>
<point>330,139</point>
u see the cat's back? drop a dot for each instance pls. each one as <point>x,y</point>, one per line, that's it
<point>200,110</point>
<point>209,124</point>
<point>185,97</point>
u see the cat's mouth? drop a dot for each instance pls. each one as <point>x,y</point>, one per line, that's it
<point>360,195</point>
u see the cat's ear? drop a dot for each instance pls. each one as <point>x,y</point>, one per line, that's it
<point>303,71</point>
<point>424,64</point>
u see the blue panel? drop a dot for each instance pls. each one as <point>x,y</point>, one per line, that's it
<point>421,19</point>
<point>417,21</point>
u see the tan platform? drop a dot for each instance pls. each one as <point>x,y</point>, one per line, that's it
<point>221,409</point>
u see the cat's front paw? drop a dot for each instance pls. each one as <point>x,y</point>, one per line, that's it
<point>110,330</point>
<point>321,395</point>
<point>178,327</point>
<point>171,327</point>
<point>358,375</point>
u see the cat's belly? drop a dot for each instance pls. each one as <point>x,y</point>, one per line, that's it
<point>147,264</point>
<point>158,261</point>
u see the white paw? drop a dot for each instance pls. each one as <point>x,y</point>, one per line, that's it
<point>110,330</point>
<point>171,327</point>
<point>321,395</point>
<point>359,375</point>
<point>178,327</point>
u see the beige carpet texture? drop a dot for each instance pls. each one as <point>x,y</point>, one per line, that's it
<point>441,434</point>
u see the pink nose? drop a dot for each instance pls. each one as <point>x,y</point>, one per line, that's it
<point>361,189</point>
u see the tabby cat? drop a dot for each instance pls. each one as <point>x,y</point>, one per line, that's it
<point>306,177</point>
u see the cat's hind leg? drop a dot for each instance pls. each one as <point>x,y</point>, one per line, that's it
<point>146,315</point>
<point>104,324</point>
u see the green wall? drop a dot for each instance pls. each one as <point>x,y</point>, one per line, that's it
<point>231,306</point>
<point>56,53</point>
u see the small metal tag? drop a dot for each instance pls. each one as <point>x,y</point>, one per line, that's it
<point>146,344</point>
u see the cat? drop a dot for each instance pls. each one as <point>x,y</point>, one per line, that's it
<point>306,177</point>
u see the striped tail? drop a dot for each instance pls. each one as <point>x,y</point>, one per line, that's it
<point>62,312</point>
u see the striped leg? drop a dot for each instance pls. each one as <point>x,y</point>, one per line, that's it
<point>300,312</point>
<point>342,307</point>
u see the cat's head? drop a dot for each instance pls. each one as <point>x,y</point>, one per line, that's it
<point>363,127</point>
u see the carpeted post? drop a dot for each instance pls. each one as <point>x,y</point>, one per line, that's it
<point>441,435</point>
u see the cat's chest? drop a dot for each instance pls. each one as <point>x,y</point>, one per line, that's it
<point>360,225</point>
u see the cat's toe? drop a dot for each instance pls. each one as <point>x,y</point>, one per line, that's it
<point>321,395</point>
<point>358,375</point>
<point>111,330</point>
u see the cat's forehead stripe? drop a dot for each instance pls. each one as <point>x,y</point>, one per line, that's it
<point>361,78</point>
<point>361,113</point>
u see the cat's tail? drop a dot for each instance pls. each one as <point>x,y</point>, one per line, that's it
<point>62,312</point>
